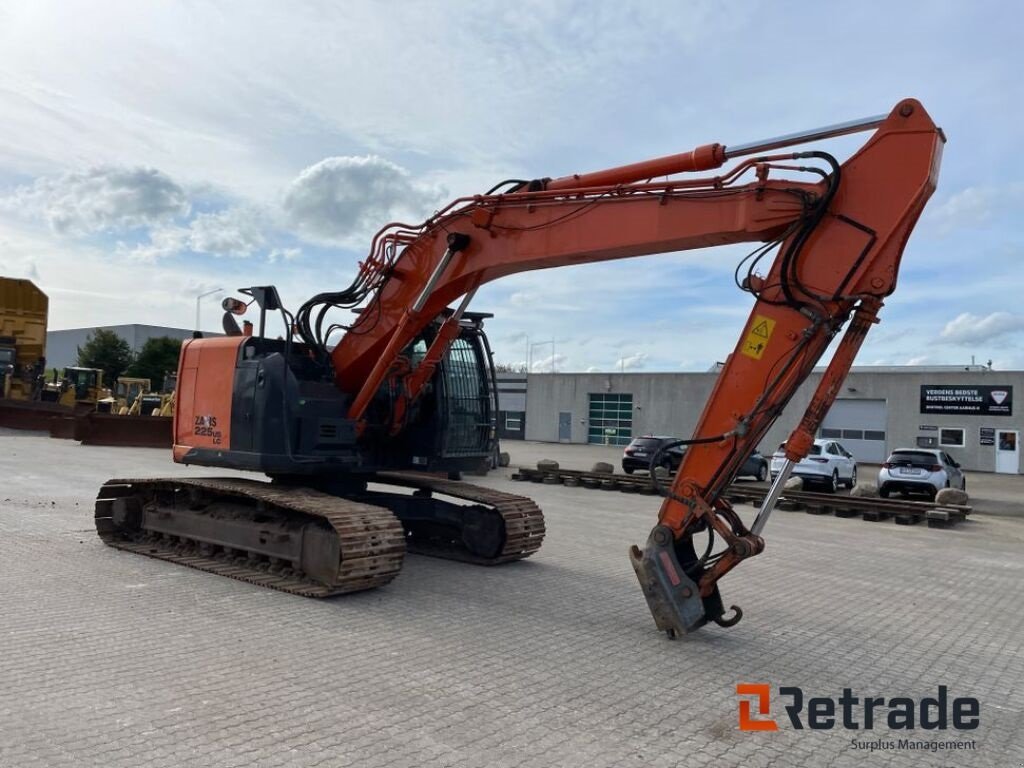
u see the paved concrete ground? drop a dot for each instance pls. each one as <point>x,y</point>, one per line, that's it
<point>109,659</point>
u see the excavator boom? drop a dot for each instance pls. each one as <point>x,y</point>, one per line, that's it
<point>838,232</point>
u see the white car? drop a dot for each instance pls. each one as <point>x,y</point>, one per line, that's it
<point>827,463</point>
<point>919,470</point>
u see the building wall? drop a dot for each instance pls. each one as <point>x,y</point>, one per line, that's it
<point>62,346</point>
<point>511,424</point>
<point>670,403</point>
<point>663,403</point>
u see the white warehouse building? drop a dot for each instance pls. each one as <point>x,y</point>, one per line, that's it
<point>967,411</point>
<point>62,346</point>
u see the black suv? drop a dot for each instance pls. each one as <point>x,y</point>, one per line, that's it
<point>638,454</point>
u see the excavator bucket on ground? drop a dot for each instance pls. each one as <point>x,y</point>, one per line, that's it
<point>129,431</point>
<point>31,415</point>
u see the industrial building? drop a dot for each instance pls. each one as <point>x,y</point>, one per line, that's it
<point>512,406</point>
<point>967,411</point>
<point>62,346</point>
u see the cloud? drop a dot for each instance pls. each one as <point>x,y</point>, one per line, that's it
<point>100,199</point>
<point>549,364</point>
<point>521,299</point>
<point>967,328</point>
<point>976,206</point>
<point>234,232</point>
<point>283,254</point>
<point>338,200</point>
<point>345,199</point>
<point>163,243</point>
<point>634,362</point>
<point>518,103</point>
<point>546,299</point>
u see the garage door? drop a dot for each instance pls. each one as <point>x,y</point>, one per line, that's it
<point>860,426</point>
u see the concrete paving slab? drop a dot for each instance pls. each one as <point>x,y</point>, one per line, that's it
<point>108,659</point>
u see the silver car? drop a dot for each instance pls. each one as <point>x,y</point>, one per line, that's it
<point>919,470</point>
<point>827,464</point>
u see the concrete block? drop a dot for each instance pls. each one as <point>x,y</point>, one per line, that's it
<point>951,496</point>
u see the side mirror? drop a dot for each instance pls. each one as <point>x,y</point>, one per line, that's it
<point>234,306</point>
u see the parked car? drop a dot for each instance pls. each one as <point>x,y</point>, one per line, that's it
<point>827,463</point>
<point>919,470</point>
<point>755,466</point>
<point>641,450</point>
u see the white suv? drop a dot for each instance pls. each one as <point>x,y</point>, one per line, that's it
<point>827,463</point>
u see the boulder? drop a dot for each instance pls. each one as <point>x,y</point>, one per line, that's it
<point>865,491</point>
<point>794,484</point>
<point>951,496</point>
<point>547,465</point>
<point>602,468</point>
<point>661,473</point>
<point>504,459</point>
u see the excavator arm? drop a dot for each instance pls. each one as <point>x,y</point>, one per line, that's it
<point>837,233</point>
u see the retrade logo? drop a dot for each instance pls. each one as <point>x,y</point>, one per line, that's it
<point>851,712</point>
<point>762,692</point>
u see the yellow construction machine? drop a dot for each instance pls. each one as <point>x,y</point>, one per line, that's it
<point>23,314</point>
<point>76,387</point>
<point>126,398</point>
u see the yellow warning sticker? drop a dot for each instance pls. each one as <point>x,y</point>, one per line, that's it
<point>756,341</point>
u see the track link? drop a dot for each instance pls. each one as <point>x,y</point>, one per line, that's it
<point>370,539</point>
<point>523,519</point>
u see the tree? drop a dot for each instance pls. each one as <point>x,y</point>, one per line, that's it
<point>509,368</point>
<point>108,352</point>
<point>158,356</point>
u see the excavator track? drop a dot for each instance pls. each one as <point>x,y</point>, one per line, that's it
<point>310,543</point>
<point>295,540</point>
<point>522,520</point>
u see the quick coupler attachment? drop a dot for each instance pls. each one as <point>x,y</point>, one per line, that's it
<point>673,597</point>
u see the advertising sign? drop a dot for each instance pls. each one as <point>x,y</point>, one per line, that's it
<point>982,400</point>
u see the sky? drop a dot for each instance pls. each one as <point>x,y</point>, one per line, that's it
<point>153,152</point>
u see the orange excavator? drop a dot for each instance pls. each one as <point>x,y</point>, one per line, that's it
<point>356,421</point>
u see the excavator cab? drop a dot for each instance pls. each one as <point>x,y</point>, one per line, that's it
<point>451,426</point>
<point>273,406</point>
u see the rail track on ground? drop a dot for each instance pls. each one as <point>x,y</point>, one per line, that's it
<point>900,511</point>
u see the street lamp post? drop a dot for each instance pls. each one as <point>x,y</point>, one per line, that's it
<point>199,298</point>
